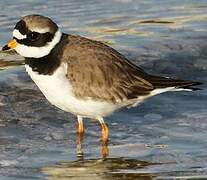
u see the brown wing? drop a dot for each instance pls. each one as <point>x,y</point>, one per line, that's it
<point>98,71</point>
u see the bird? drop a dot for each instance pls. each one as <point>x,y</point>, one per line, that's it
<point>82,76</point>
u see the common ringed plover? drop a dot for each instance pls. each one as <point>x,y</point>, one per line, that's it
<point>84,77</point>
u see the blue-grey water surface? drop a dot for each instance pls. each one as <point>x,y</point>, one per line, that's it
<point>164,138</point>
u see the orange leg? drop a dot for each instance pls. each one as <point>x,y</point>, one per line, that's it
<point>105,138</point>
<point>80,136</point>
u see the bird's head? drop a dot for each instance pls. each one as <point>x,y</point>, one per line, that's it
<point>34,36</point>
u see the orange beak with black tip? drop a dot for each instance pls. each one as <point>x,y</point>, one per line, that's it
<point>11,45</point>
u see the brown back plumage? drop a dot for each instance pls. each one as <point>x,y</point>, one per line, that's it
<point>98,71</point>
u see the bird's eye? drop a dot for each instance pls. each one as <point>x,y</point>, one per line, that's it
<point>33,36</point>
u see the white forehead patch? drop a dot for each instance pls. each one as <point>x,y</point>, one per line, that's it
<point>18,35</point>
<point>38,52</point>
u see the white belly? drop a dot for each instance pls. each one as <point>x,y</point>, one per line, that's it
<point>58,91</point>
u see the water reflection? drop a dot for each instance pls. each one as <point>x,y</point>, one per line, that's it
<point>10,59</point>
<point>99,169</point>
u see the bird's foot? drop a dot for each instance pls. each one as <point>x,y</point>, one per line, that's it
<point>79,151</point>
<point>105,151</point>
<point>105,140</point>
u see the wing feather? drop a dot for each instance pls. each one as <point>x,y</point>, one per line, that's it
<point>97,71</point>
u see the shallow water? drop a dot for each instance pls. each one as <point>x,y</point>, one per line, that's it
<point>164,138</point>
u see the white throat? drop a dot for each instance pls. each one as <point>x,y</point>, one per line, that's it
<point>38,52</point>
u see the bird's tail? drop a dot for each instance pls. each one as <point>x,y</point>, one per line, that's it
<point>163,82</point>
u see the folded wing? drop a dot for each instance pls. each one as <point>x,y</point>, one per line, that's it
<point>99,72</point>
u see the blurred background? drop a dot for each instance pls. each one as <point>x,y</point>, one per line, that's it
<point>161,139</point>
